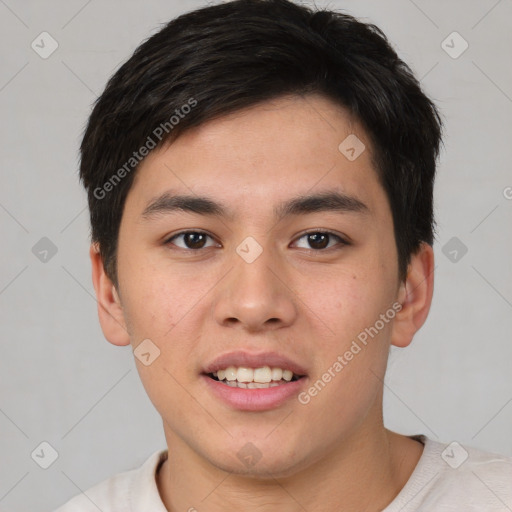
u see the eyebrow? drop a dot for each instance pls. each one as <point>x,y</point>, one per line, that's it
<point>321,202</point>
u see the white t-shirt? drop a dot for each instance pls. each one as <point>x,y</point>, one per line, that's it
<point>446,478</point>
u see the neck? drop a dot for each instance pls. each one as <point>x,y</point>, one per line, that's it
<point>365,472</point>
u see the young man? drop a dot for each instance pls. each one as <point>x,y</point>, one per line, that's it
<point>260,181</point>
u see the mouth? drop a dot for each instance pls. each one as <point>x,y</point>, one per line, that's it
<point>254,378</point>
<point>246,381</point>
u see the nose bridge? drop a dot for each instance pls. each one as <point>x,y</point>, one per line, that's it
<point>255,268</point>
<point>254,294</point>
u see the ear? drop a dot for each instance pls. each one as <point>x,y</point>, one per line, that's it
<point>415,295</point>
<point>110,311</point>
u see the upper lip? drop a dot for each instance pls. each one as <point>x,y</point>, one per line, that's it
<point>254,360</point>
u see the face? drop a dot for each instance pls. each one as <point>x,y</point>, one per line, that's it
<point>248,273</point>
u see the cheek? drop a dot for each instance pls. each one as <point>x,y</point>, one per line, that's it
<point>347,302</point>
<point>354,351</point>
<point>156,300</point>
<point>158,311</point>
<point>349,373</point>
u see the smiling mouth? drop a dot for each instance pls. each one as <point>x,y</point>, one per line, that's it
<point>254,378</point>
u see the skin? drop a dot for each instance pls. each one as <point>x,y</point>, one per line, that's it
<point>307,304</point>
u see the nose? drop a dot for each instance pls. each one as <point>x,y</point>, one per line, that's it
<point>255,296</point>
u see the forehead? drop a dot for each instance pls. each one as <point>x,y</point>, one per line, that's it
<point>261,155</point>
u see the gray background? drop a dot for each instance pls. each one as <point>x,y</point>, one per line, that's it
<point>61,382</point>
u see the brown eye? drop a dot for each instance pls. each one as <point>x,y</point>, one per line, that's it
<point>319,240</point>
<point>194,240</point>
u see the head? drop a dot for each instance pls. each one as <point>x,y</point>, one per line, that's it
<point>307,150</point>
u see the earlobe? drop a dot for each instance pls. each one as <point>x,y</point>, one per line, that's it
<point>415,295</point>
<point>110,311</point>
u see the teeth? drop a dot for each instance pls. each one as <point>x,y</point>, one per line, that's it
<point>253,378</point>
<point>263,375</point>
<point>230,373</point>
<point>244,374</point>
<point>277,374</point>
<point>251,385</point>
<point>287,375</point>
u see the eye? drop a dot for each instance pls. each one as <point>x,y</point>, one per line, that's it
<point>319,240</point>
<point>314,240</point>
<point>191,240</point>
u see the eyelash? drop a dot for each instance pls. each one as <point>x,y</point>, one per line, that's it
<point>342,242</point>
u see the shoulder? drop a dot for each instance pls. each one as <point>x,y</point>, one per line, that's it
<point>123,491</point>
<point>477,476</point>
<point>454,476</point>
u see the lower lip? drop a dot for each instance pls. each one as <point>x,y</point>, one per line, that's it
<point>259,399</point>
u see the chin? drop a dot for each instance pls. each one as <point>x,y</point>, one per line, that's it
<point>266,463</point>
<point>263,470</point>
